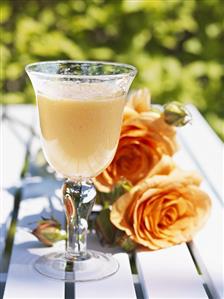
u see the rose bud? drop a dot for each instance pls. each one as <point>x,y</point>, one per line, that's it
<point>176,114</point>
<point>48,231</point>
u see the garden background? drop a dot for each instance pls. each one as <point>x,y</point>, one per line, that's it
<point>177,45</point>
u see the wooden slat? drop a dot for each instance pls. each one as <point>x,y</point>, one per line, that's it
<point>97,289</point>
<point>206,149</point>
<point>23,281</point>
<point>208,254</point>
<point>169,273</point>
<point>27,248</point>
<point>15,134</point>
<point>14,142</point>
<point>207,246</point>
<point>118,286</point>
<point>6,207</point>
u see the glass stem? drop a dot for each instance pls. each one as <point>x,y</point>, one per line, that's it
<point>79,197</point>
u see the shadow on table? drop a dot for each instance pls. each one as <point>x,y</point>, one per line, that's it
<point>41,198</point>
<point>46,192</point>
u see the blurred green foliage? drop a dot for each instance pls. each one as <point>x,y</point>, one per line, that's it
<point>177,45</point>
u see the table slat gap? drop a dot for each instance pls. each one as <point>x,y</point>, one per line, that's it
<point>12,166</point>
<point>15,146</point>
<point>205,276</point>
<point>17,198</point>
<point>23,280</point>
<point>208,253</point>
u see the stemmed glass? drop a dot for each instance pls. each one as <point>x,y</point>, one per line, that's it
<point>80,105</point>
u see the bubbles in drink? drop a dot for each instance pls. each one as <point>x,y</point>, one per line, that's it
<point>69,89</point>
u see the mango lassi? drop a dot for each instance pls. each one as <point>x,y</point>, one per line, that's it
<point>80,137</point>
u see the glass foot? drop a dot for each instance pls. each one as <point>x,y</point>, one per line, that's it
<point>97,266</point>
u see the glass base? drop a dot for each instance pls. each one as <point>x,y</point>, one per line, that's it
<point>97,266</point>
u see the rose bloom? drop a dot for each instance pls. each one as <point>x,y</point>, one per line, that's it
<point>145,137</point>
<point>167,209</point>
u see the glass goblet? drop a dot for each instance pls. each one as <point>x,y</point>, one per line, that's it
<point>80,105</point>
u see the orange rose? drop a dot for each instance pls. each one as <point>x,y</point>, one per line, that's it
<point>166,209</point>
<point>139,102</point>
<point>144,138</point>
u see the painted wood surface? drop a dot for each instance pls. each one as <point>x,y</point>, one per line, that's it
<point>15,137</point>
<point>207,246</point>
<point>168,273</point>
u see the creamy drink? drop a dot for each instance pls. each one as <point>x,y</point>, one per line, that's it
<point>80,105</point>
<point>80,136</point>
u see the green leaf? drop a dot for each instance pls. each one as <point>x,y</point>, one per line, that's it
<point>5,12</point>
<point>14,70</point>
<point>106,199</point>
<point>104,228</point>
<point>125,242</point>
<point>12,98</point>
<point>193,46</point>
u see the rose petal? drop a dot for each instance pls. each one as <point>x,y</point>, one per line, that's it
<point>140,100</point>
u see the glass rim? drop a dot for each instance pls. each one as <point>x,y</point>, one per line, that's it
<point>132,71</point>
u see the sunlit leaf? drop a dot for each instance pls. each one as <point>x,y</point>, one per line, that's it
<point>13,71</point>
<point>5,11</point>
<point>101,53</point>
<point>193,46</point>
<point>27,29</point>
<point>12,98</point>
